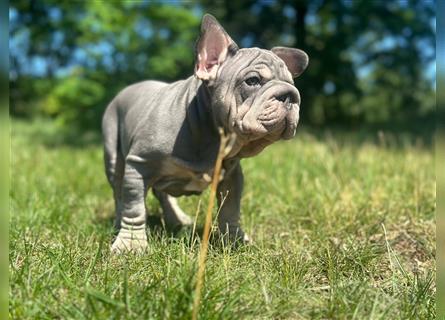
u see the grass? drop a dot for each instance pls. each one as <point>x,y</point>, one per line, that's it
<point>343,228</point>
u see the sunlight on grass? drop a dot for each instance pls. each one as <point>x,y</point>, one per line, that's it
<point>341,228</point>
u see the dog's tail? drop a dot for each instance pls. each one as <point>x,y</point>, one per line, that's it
<point>110,134</point>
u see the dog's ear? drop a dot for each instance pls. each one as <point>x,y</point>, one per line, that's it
<point>212,48</point>
<point>296,60</point>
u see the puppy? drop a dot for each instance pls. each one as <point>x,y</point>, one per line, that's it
<point>164,137</point>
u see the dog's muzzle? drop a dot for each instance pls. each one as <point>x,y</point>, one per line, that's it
<point>273,114</point>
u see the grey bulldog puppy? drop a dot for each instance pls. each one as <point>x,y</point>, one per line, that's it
<point>165,137</point>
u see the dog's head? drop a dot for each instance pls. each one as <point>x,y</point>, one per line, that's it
<point>253,92</point>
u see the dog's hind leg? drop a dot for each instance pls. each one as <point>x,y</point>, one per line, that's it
<point>113,158</point>
<point>173,215</point>
<point>132,234</point>
<point>117,189</point>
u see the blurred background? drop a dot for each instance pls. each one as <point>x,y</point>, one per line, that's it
<point>372,63</point>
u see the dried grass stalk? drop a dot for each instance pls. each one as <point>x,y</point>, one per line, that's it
<point>224,149</point>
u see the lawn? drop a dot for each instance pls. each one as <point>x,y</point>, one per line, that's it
<point>343,228</point>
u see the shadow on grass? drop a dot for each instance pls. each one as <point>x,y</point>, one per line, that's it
<point>157,229</point>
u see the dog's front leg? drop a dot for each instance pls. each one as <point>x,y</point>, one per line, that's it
<point>132,235</point>
<point>229,200</point>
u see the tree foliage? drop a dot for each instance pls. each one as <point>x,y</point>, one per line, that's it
<point>368,59</point>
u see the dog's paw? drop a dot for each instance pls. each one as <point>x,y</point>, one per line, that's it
<point>134,241</point>
<point>178,223</point>
<point>176,219</point>
<point>234,235</point>
<point>246,239</point>
<point>185,220</point>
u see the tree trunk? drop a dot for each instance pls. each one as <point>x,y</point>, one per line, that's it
<point>300,25</point>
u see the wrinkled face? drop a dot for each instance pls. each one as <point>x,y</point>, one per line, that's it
<point>252,90</point>
<point>256,96</point>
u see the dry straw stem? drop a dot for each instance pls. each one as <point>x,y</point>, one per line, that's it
<point>224,148</point>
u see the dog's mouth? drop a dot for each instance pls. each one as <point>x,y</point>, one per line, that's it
<point>273,117</point>
<point>277,120</point>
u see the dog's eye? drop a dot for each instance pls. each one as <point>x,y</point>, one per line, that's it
<point>253,81</point>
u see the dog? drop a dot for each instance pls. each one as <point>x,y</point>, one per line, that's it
<point>165,137</point>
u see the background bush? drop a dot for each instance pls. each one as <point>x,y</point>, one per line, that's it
<point>372,62</point>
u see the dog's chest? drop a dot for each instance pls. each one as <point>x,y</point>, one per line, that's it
<point>178,180</point>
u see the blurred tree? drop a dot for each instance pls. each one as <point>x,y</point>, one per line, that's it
<point>41,34</point>
<point>368,58</point>
<point>89,50</point>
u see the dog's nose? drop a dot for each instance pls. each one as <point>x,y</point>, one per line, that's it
<point>284,97</point>
<point>289,97</point>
